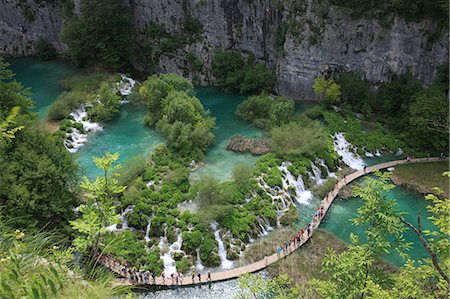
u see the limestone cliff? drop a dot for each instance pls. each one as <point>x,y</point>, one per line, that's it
<point>22,23</point>
<point>321,42</point>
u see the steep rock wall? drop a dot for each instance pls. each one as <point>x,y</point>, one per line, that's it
<point>321,44</point>
<point>22,23</point>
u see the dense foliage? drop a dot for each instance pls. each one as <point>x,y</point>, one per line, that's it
<point>45,50</point>
<point>235,72</point>
<point>295,139</point>
<point>101,35</point>
<point>266,111</point>
<point>178,114</point>
<point>417,116</point>
<point>38,175</point>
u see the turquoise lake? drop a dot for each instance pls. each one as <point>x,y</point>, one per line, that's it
<point>128,136</point>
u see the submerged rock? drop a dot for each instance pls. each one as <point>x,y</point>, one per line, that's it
<point>254,145</point>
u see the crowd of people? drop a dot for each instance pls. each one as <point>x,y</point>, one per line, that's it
<point>300,237</point>
<point>145,277</point>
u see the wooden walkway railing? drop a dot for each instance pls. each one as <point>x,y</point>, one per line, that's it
<point>259,265</point>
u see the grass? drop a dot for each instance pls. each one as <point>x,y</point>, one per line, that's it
<point>423,177</point>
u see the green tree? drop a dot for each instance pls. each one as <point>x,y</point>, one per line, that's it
<point>347,272</point>
<point>12,93</point>
<point>106,103</point>
<point>6,126</point>
<point>98,212</point>
<point>37,181</point>
<point>328,90</point>
<point>157,87</point>
<point>385,230</point>
<point>257,287</point>
<point>266,111</point>
<point>102,34</point>
<point>297,139</point>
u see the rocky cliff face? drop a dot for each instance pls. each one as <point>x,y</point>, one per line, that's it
<point>321,43</point>
<point>22,23</point>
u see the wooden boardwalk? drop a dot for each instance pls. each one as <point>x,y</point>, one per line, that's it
<point>259,265</point>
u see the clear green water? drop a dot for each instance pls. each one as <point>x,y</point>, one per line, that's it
<point>126,135</point>
<point>338,219</point>
<point>42,78</point>
<point>218,161</point>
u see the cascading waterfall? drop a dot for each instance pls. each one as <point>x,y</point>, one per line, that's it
<point>321,162</point>
<point>147,231</point>
<point>77,139</point>
<point>317,174</point>
<point>348,152</point>
<point>168,261</point>
<point>378,153</point>
<point>302,194</point>
<point>123,219</point>
<point>226,264</point>
<point>198,264</point>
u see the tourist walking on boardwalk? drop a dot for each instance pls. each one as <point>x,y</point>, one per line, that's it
<point>163,277</point>
<point>181,278</point>
<point>266,260</point>
<point>199,278</point>
<point>209,276</point>
<point>278,251</point>
<point>365,167</point>
<point>193,277</point>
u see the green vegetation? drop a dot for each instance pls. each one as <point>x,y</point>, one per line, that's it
<point>327,90</point>
<point>37,265</point>
<point>295,139</point>
<point>377,139</point>
<point>412,11</point>
<point>423,177</point>
<point>158,41</point>
<point>101,35</point>
<point>280,287</point>
<point>45,50</point>
<point>236,72</point>
<point>416,116</point>
<point>178,114</point>
<point>265,111</point>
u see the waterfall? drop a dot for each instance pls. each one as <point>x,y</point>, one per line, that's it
<point>226,264</point>
<point>125,86</point>
<point>77,139</point>
<point>322,163</point>
<point>317,174</point>
<point>348,152</point>
<point>147,231</point>
<point>378,153</point>
<point>168,261</point>
<point>368,154</point>
<point>123,219</point>
<point>399,152</point>
<point>302,194</point>
<point>198,263</point>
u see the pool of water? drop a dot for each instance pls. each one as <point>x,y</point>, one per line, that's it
<point>42,78</point>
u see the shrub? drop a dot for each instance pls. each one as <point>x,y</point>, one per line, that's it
<point>234,72</point>
<point>265,111</point>
<point>64,104</point>
<point>45,50</point>
<point>294,139</point>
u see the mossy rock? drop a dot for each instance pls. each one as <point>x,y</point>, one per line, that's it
<point>178,256</point>
<point>232,255</point>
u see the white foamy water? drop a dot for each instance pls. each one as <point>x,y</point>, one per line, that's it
<point>125,86</point>
<point>76,139</point>
<point>198,264</point>
<point>123,219</point>
<point>225,263</point>
<point>321,162</point>
<point>303,195</point>
<point>347,151</point>
<point>168,261</point>
<point>147,231</point>
<point>317,174</point>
